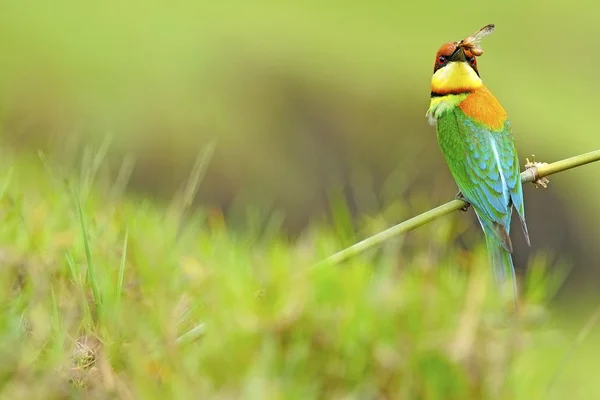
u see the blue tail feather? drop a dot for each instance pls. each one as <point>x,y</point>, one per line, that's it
<point>501,262</point>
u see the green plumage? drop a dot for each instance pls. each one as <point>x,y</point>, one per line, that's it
<point>485,166</point>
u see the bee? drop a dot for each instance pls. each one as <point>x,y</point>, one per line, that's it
<point>472,42</point>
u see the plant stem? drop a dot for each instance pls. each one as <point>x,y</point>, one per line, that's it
<point>531,174</point>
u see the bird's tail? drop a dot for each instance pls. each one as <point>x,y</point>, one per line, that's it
<point>500,260</point>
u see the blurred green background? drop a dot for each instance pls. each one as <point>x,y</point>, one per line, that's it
<point>317,113</point>
<point>307,99</point>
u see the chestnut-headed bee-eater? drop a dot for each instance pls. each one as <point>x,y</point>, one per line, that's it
<point>475,137</point>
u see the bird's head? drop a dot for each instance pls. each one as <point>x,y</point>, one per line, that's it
<point>455,69</point>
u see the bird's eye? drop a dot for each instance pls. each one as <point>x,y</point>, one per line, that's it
<point>442,59</point>
<point>472,60</point>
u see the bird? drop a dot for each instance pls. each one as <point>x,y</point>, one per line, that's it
<point>476,139</point>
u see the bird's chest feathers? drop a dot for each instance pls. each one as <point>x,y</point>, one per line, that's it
<point>441,104</point>
<point>479,105</point>
<point>482,107</point>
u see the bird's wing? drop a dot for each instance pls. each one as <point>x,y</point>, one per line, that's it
<point>507,150</point>
<point>486,171</point>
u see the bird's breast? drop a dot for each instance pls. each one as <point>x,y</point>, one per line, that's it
<point>483,107</point>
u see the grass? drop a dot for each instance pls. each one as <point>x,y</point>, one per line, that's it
<point>105,294</point>
<point>117,298</point>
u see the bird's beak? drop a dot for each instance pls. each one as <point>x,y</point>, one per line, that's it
<point>459,55</point>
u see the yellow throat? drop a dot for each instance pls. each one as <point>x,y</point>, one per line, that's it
<point>455,77</point>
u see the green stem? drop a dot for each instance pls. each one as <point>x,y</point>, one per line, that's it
<point>566,164</point>
<point>529,175</point>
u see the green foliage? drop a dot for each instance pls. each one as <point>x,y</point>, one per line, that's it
<point>106,296</point>
<point>197,310</point>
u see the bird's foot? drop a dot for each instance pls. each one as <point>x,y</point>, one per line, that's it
<point>459,196</point>
<point>543,181</point>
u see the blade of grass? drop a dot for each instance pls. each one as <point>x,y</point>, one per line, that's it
<point>55,313</point>
<point>122,267</point>
<point>92,276</point>
<point>123,177</point>
<point>77,279</point>
<point>72,269</point>
<point>180,205</point>
<point>192,334</point>
<point>198,172</point>
<point>89,173</point>
<point>57,347</point>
